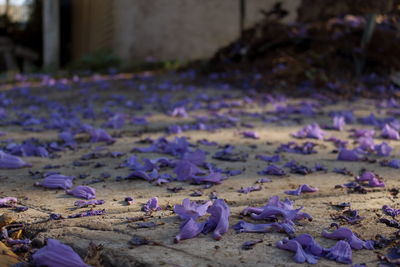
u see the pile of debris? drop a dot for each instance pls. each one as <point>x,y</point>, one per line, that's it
<point>323,53</point>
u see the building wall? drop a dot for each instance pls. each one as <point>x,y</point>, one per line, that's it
<point>158,30</point>
<point>92,26</point>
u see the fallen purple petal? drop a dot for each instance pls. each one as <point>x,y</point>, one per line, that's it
<point>190,209</point>
<point>56,254</point>
<point>340,252</point>
<point>218,222</point>
<point>300,255</point>
<point>82,191</point>
<point>302,188</point>
<point>151,205</point>
<point>55,181</point>
<point>11,162</point>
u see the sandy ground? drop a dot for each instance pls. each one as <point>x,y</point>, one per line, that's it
<point>114,229</point>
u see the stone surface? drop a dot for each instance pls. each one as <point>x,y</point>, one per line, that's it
<point>117,227</point>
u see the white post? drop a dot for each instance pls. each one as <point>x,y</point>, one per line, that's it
<point>51,34</point>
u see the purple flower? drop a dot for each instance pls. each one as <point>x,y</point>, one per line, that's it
<point>292,147</point>
<point>219,219</point>
<point>264,180</point>
<point>56,254</point>
<point>139,174</point>
<point>7,202</point>
<point>371,179</point>
<point>338,123</point>
<point>151,205</point>
<point>139,121</point>
<point>212,178</point>
<point>346,234</point>
<point>350,216</point>
<point>117,121</point>
<point>205,142</point>
<point>394,163</point>
<point>272,170</point>
<point>390,133</point>
<point>245,227</point>
<point>366,143</point>
<point>8,161</point>
<point>186,170</point>
<point>83,191</point>
<point>198,157</point>
<point>174,129</point>
<point>227,154</point>
<point>301,256</point>
<point>274,158</point>
<point>340,252</point>
<point>68,138</point>
<point>251,134</point>
<point>383,149</point>
<point>302,188</point>
<point>179,112</point>
<point>190,209</point>
<point>83,203</point>
<point>189,229</point>
<point>249,189</point>
<point>390,211</point>
<point>276,208</point>
<point>337,142</point>
<point>350,154</point>
<point>310,131</point>
<point>98,134</point>
<point>310,245</point>
<point>363,133</point>
<point>55,181</point>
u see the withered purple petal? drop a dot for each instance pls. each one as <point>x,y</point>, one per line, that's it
<point>272,170</point>
<point>274,158</point>
<point>388,211</point>
<point>88,213</point>
<point>8,201</point>
<point>83,203</point>
<point>249,189</point>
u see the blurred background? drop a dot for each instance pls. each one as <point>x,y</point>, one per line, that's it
<point>299,39</point>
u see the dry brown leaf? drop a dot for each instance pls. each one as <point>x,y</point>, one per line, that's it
<point>7,257</point>
<point>93,256</point>
<point>6,219</point>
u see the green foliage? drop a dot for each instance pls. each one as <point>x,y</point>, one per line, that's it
<point>100,60</point>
